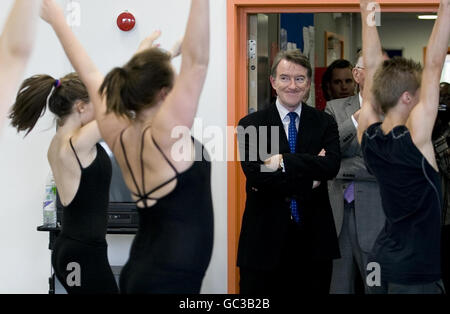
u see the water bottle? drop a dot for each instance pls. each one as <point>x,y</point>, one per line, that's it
<point>49,206</point>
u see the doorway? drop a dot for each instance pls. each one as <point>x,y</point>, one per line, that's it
<point>239,23</point>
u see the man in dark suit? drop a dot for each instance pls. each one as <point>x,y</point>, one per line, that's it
<point>288,238</point>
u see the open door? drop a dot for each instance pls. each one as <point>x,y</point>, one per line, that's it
<point>250,49</point>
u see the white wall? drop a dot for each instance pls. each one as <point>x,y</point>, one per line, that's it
<point>24,254</point>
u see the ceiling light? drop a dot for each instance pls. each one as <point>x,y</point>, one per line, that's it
<point>427,17</point>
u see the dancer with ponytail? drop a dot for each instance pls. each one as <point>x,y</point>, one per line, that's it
<point>16,43</point>
<point>137,108</point>
<point>399,152</point>
<point>82,172</point>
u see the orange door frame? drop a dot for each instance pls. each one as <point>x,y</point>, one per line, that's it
<point>237,13</point>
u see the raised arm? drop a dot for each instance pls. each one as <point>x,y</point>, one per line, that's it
<point>423,116</point>
<point>373,57</point>
<point>87,137</point>
<point>180,106</point>
<point>84,66</point>
<point>16,43</point>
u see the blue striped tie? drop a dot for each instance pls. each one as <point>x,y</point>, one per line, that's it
<point>292,144</point>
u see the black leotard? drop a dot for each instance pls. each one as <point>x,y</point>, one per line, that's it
<point>82,239</point>
<point>173,246</point>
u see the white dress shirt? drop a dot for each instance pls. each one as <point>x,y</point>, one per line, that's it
<point>360,103</point>
<point>285,118</point>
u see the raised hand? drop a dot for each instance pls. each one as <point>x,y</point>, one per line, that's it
<point>149,42</point>
<point>51,11</point>
<point>176,49</point>
<point>273,163</point>
<point>317,183</point>
<point>369,12</point>
<point>364,3</point>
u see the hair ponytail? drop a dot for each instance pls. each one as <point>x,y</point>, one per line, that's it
<point>113,88</point>
<point>31,102</point>
<point>136,86</point>
<point>40,91</point>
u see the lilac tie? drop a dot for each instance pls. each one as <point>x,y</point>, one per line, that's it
<point>292,143</point>
<point>349,193</point>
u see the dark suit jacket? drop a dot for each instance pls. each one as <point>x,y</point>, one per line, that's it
<point>267,211</point>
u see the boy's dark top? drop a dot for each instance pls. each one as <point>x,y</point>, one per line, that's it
<point>408,247</point>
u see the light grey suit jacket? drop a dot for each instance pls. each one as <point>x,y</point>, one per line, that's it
<point>369,214</point>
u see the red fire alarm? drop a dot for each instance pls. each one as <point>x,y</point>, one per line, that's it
<point>126,21</point>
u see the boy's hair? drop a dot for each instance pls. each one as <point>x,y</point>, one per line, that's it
<point>393,78</point>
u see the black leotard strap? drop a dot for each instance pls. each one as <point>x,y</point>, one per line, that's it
<point>76,156</point>
<point>164,155</point>
<point>128,164</point>
<point>147,195</point>
<point>142,160</point>
<point>144,197</point>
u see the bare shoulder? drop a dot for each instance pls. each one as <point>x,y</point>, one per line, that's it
<point>111,126</point>
<point>60,152</point>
